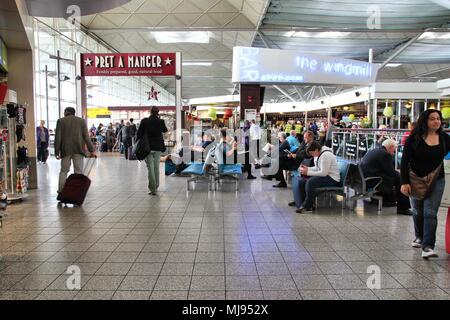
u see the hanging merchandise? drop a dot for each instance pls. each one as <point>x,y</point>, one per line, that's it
<point>20,132</point>
<point>351,117</point>
<point>21,115</point>
<point>12,110</point>
<point>388,112</point>
<point>22,180</point>
<point>446,113</point>
<point>3,118</point>
<point>22,157</point>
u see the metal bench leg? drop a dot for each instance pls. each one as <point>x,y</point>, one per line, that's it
<point>380,205</point>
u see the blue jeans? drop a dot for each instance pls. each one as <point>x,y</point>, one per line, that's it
<point>425,215</point>
<point>304,189</point>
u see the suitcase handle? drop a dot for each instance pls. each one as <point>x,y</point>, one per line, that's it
<point>89,165</point>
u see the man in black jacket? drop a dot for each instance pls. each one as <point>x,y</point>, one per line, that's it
<point>379,162</point>
<point>153,127</point>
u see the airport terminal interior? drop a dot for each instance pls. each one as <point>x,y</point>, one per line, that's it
<point>270,181</point>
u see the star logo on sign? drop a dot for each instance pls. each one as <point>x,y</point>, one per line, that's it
<point>168,61</point>
<point>88,62</point>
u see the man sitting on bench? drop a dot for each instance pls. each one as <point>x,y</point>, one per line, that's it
<point>379,162</point>
<point>324,174</point>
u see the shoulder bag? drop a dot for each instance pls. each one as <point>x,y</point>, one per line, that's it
<point>141,149</point>
<point>421,187</point>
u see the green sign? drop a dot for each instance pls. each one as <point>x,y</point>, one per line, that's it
<point>3,56</point>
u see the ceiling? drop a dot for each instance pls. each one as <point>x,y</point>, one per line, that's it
<point>12,30</point>
<point>342,28</point>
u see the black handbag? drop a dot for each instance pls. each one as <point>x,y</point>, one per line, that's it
<point>141,149</point>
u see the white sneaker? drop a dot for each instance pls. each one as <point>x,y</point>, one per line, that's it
<point>417,243</point>
<point>429,253</point>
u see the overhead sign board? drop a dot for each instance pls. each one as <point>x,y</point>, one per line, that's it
<point>128,64</point>
<point>273,66</point>
<point>93,113</point>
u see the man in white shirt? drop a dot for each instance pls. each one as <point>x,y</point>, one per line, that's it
<point>255,136</point>
<point>324,174</point>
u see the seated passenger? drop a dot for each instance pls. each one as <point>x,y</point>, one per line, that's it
<point>293,141</point>
<point>379,162</point>
<point>284,163</point>
<point>301,156</point>
<point>324,174</point>
<point>225,148</point>
<point>198,153</point>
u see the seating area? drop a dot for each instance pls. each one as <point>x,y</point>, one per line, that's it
<point>212,172</point>
<point>352,181</point>
<point>341,190</point>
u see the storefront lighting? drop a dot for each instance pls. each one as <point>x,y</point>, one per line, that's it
<point>181,37</point>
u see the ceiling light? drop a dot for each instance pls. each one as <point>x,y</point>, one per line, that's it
<point>289,33</point>
<point>302,34</point>
<point>393,65</point>
<point>427,35</point>
<point>445,36</point>
<point>202,64</point>
<point>181,37</point>
<point>332,34</point>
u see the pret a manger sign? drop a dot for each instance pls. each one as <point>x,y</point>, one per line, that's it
<point>259,65</point>
<point>128,64</point>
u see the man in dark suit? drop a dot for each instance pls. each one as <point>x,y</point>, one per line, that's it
<point>379,162</point>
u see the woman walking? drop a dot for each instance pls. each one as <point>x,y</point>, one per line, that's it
<point>153,127</point>
<point>422,174</point>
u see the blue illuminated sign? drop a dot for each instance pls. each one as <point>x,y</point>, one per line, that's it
<point>257,65</point>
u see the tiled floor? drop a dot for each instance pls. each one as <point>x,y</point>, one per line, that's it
<point>206,245</point>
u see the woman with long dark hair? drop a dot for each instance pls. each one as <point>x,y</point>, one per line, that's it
<point>423,157</point>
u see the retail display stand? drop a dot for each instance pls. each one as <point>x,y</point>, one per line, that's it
<point>14,175</point>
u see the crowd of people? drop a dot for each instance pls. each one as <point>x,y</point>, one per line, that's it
<point>119,137</point>
<point>302,152</point>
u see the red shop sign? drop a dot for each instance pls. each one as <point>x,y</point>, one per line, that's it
<point>128,64</point>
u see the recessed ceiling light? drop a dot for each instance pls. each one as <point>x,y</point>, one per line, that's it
<point>202,64</point>
<point>302,34</point>
<point>332,34</point>
<point>181,37</point>
<point>289,33</point>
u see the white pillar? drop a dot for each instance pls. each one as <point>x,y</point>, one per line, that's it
<point>178,102</point>
<point>375,114</point>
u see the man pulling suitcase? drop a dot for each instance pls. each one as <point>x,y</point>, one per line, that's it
<point>71,140</point>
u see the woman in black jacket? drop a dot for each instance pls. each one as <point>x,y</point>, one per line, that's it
<point>154,127</point>
<point>423,154</point>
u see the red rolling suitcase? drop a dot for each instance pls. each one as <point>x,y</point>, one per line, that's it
<point>77,185</point>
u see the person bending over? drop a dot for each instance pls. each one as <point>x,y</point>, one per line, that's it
<point>324,174</point>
